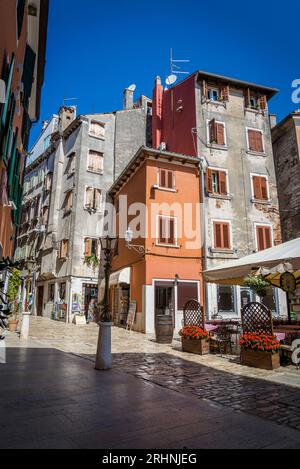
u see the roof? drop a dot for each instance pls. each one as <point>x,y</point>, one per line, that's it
<point>279,128</point>
<point>140,156</point>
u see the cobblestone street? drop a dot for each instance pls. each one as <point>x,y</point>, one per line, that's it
<point>273,395</point>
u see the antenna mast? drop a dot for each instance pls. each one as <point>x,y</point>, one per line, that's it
<point>176,69</point>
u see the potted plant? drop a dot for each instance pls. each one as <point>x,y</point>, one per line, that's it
<point>258,284</point>
<point>260,351</point>
<point>194,339</point>
<point>92,261</point>
<point>14,282</point>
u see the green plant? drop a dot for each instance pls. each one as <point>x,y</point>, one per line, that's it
<point>258,284</point>
<point>14,283</point>
<point>92,261</point>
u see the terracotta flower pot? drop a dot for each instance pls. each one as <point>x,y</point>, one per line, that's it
<point>263,360</point>
<point>12,325</point>
<point>198,346</point>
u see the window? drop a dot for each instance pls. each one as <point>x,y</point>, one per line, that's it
<point>166,230</point>
<point>92,198</point>
<point>47,142</point>
<point>221,235</point>
<point>226,298</point>
<point>64,249</point>
<point>260,188</point>
<point>51,290</point>
<point>213,94</point>
<point>91,247</point>
<point>97,129</point>
<point>62,291</point>
<point>48,182</point>
<point>45,215</point>
<point>216,182</point>
<point>255,101</point>
<point>270,299</point>
<point>263,237</point>
<point>255,140</point>
<point>95,161</point>
<point>68,202</point>
<point>216,132</point>
<point>72,164</point>
<point>186,291</point>
<point>166,179</point>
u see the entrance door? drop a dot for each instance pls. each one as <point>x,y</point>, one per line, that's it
<point>40,301</point>
<point>90,293</point>
<point>164,300</point>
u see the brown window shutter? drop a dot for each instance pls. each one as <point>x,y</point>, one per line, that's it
<point>262,102</point>
<point>259,142</point>
<point>268,240</point>
<point>256,187</point>
<point>226,236</point>
<point>225,92</point>
<point>218,235</point>
<point>162,178</point>
<point>251,140</point>
<point>212,131</point>
<point>170,180</point>
<point>264,189</point>
<point>209,187</point>
<point>204,89</point>
<point>161,230</point>
<point>97,199</point>
<point>247,96</point>
<point>223,183</point>
<point>171,239</point>
<point>260,238</point>
<point>87,247</point>
<point>255,140</point>
<point>220,133</point>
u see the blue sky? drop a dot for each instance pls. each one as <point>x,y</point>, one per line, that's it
<point>96,48</point>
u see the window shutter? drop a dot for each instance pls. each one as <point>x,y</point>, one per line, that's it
<point>225,92</point>
<point>264,189</point>
<point>161,228</point>
<point>223,183</point>
<point>87,247</point>
<point>162,178</point>
<point>204,90</point>
<point>97,199</point>
<point>226,236</point>
<point>170,179</point>
<point>8,88</point>
<point>256,187</point>
<point>260,238</point>
<point>72,164</point>
<point>259,143</point>
<point>209,187</point>
<point>171,239</point>
<point>220,134</point>
<point>255,140</point>
<point>89,196</point>
<point>218,236</point>
<point>262,102</point>
<point>268,241</point>
<point>212,131</point>
<point>247,97</point>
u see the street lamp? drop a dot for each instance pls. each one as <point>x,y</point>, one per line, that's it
<point>136,247</point>
<point>103,356</point>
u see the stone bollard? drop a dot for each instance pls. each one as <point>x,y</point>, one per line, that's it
<point>25,325</point>
<point>103,357</point>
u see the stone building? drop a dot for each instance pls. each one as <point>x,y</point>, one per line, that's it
<point>225,123</point>
<point>23,31</point>
<point>65,189</point>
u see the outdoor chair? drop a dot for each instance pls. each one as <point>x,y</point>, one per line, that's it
<point>220,341</point>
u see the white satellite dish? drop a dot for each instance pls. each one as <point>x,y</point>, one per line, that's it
<point>171,79</point>
<point>132,87</point>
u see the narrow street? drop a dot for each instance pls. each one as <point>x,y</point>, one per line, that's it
<point>156,396</point>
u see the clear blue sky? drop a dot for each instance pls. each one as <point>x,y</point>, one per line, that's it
<point>96,48</point>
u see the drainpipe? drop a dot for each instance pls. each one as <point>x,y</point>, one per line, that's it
<point>203,219</point>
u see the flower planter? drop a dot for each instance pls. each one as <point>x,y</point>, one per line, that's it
<point>12,325</point>
<point>198,346</point>
<point>263,360</point>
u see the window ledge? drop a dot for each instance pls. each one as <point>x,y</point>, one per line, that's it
<point>215,146</point>
<point>166,189</point>
<point>222,251</point>
<point>162,245</point>
<point>95,136</point>
<point>216,103</point>
<point>256,111</point>
<point>94,172</point>
<point>256,153</point>
<point>261,201</point>
<point>93,210</point>
<point>211,195</point>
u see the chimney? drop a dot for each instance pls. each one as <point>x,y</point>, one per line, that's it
<point>157,104</point>
<point>44,124</point>
<point>66,115</point>
<point>128,99</point>
<point>273,120</point>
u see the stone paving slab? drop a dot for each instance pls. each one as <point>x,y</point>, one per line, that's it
<point>52,399</point>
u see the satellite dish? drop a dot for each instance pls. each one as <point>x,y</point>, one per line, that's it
<point>171,79</point>
<point>132,87</point>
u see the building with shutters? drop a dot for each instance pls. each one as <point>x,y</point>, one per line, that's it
<point>226,124</point>
<point>70,168</point>
<point>23,30</point>
<point>158,192</point>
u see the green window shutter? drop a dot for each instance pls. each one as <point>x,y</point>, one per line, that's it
<point>28,73</point>
<point>8,137</point>
<point>12,162</point>
<point>8,89</point>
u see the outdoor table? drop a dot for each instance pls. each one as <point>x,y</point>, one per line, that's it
<point>211,327</point>
<point>280,335</point>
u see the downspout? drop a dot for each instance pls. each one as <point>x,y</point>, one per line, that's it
<point>204,237</point>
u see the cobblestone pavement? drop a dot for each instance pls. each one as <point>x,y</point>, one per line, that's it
<point>272,395</point>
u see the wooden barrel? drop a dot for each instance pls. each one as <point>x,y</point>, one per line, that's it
<point>164,329</point>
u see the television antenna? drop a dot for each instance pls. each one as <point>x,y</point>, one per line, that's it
<point>69,99</point>
<point>175,69</point>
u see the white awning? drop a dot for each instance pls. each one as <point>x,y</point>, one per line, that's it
<point>121,276</point>
<point>234,272</point>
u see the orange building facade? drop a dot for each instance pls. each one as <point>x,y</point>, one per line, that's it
<point>158,198</point>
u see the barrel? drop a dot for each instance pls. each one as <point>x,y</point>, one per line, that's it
<point>164,329</point>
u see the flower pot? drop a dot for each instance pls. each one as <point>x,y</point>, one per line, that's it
<point>198,346</point>
<point>263,360</point>
<point>12,325</point>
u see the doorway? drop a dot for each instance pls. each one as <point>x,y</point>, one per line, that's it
<point>90,295</point>
<point>40,301</point>
<point>165,299</point>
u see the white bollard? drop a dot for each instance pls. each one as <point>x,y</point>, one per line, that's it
<point>25,325</point>
<point>103,357</point>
